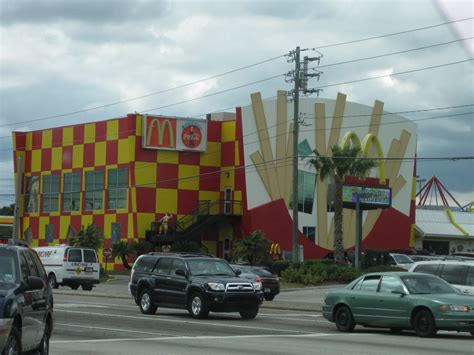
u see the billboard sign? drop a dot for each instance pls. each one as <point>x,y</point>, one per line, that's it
<point>370,197</point>
<point>174,133</point>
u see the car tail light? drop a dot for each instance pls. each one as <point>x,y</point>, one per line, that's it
<point>65,256</point>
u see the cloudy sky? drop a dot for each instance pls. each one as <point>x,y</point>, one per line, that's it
<point>84,60</point>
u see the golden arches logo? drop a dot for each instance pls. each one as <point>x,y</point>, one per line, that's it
<point>160,127</point>
<point>275,248</point>
<point>369,140</point>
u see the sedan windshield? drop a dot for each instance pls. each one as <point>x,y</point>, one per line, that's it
<point>402,259</point>
<point>7,267</point>
<point>426,284</point>
<point>210,267</point>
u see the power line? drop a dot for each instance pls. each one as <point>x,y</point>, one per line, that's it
<point>253,167</point>
<point>394,74</point>
<point>393,53</point>
<point>393,34</point>
<point>228,72</point>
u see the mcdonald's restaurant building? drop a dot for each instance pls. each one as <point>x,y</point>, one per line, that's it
<point>220,178</point>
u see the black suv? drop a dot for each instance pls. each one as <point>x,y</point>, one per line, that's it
<point>198,283</point>
<point>26,301</point>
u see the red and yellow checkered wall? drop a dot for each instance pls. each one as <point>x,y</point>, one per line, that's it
<point>160,180</point>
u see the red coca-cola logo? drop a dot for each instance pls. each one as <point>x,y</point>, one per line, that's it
<point>191,136</point>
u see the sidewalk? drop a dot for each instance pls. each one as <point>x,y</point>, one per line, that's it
<point>308,299</point>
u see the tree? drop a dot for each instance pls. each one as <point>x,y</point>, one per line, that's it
<point>7,210</point>
<point>345,161</point>
<point>122,249</point>
<point>253,248</point>
<point>90,237</point>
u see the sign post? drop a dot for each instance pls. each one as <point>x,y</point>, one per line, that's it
<point>106,253</point>
<point>361,198</point>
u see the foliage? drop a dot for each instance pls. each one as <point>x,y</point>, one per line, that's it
<point>122,249</point>
<point>253,249</point>
<point>90,237</point>
<point>141,247</point>
<point>313,272</point>
<point>345,161</point>
<point>186,246</point>
<point>7,210</point>
<point>373,257</point>
<point>279,266</point>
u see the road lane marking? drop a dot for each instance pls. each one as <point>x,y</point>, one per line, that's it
<point>111,329</point>
<point>204,337</point>
<point>107,305</point>
<point>176,321</point>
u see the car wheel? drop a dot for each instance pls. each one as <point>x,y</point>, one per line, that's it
<point>197,306</point>
<point>250,313</point>
<point>44,346</point>
<point>52,281</point>
<point>269,297</point>
<point>13,344</point>
<point>344,319</point>
<point>424,324</point>
<point>87,287</point>
<point>146,305</point>
<point>74,287</point>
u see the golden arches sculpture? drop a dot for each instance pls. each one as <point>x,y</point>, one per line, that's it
<point>369,139</point>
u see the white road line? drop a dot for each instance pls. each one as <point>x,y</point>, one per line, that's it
<point>201,322</point>
<point>206,337</point>
<point>108,305</point>
<point>111,329</point>
<point>304,315</point>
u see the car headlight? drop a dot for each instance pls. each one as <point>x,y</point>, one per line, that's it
<point>453,308</point>
<point>216,286</point>
<point>257,286</point>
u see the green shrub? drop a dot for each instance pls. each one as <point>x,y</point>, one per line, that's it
<point>373,257</point>
<point>279,266</point>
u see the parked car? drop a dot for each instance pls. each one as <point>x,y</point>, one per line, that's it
<point>401,260</point>
<point>460,274</point>
<point>70,266</point>
<point>398,301</point>
<point>26,301</point>
<point>198,283</point>
<point>270,282</point>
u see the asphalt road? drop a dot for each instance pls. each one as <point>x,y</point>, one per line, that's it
<point>86,324</point>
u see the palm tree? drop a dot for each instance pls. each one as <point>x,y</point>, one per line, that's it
<point>253,248</point>
<point>345,161</point>
<point>90,237</point>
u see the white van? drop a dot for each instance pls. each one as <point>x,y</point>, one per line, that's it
<point>70,266</point>
<point>460,274</point>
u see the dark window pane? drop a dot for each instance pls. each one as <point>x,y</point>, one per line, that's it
<point>122,178</point>
<point>99,180</point>
<point>55,183</point>
<point>76,201</point>
<point>89,180</point>
<point>76,182</point>
<point>112,178</point>
<point>67,183</point>
<point>89,256</point>
<point>46,184</point>
<point>454,274</point>
<point>75,255</point>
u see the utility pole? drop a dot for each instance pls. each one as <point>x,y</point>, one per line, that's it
<point>296,98</point>
<point>16,224</point>
<point>301,84</point>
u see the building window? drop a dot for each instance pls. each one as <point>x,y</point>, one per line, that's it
<point>94,190</point>
<point>31,193</point>
<point>310,233</point>
<point>306,187</point>
<point>117,186</point>
<point>50,195</point>
<point>71,192</point>
<point>115,232</point>
<point>49,233</point>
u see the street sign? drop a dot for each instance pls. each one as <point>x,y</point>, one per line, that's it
<point>107,252</point>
